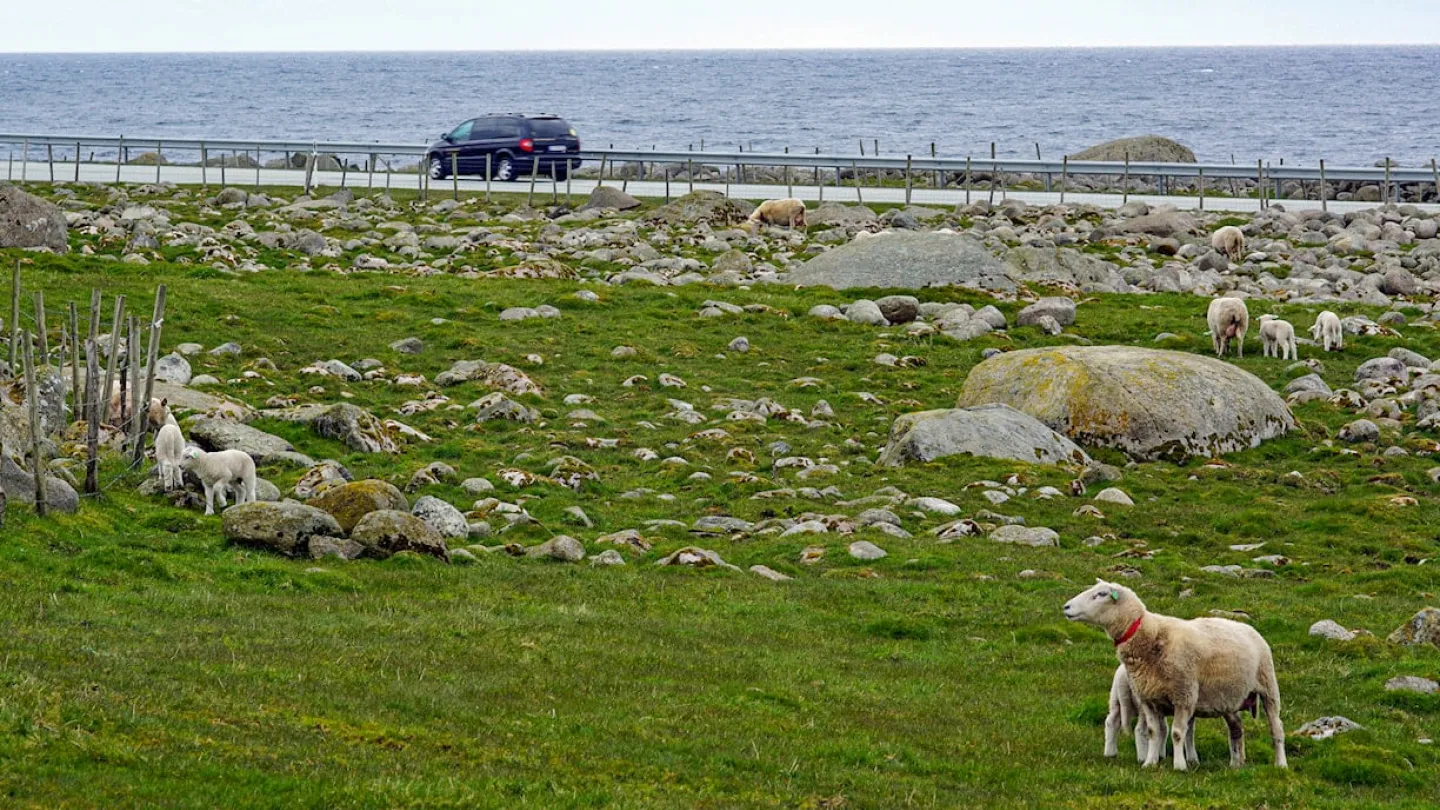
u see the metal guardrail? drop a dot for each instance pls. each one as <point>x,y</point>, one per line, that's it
<point>1212,171</point>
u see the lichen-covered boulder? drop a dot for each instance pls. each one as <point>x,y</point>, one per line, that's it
<point>285,528</point>
<point>226,434</point>
<point>388,532</point>
<point>26,221</point>
<point>1148,403</point>
<point>906,259</point>
<point>992,431</point>
<point>357,428</point>
<point>348,503</point>
<point>1422,628</point>
<point>710,207</point>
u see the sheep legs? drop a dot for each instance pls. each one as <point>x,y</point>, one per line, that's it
<point>1184,725</point>
<point>1153,720</point>
<point>1112,733</point>
<point>1237,739</point>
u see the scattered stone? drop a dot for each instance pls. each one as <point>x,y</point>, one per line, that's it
<point>769,573</point>
<point>696,557</point>
<point>561,547</point>
<point>1326,628</point>
<point>1422,628</point>
<point>866,551</point>
<point>993,431</point>
<point>608,557</point>
<point>1327,727</point>
<point>285,528</point>
<point>386,532</point>
<point>351,502</point>
<point>1026,536</point>
<point>442,517</point>
<point>1412,683</point>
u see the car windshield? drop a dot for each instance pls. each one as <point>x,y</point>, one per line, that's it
<point>549,128</point>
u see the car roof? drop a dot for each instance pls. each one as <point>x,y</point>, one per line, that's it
<point>539,116</point>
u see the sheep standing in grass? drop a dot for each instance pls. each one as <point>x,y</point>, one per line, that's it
<point>170,454</point>
<point>1229,320</point>
<point>1328,331</point>
<point>1125,715</point>
<point>790,212</point>
<point>1198,668</point>
<point>1277,338</point>
<point>1230,242</point>
<point>218,472</point>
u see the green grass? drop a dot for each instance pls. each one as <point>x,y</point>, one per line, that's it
<point>146,663</point>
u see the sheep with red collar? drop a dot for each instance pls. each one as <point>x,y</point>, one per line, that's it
<point>1194,667</point>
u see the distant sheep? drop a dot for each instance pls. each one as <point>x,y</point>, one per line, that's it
<point>1277,338</point>
<point>1229,320</point>
<point>170,455</point>
<point>1230,242</point>
<point>220,471</point>
<point>789,212</point>
<point>1328,331</point>
<point>1204,667</point>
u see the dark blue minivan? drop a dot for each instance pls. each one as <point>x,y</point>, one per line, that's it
<point>515,144</point>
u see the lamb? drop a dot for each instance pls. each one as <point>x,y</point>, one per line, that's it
<point>1277,338</point>
<point>1229,241</point>
<point>1198,668</point>
<point>789,212</point>
<point>1125,715</point>
<point>170,454</point>
<point>219,471</point>
<point>157,412</point>
<point>1229,319</point>
<point>1328,331</point>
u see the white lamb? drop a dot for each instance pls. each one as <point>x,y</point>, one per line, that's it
<point>219,472</point>
<point>1229,320</point>
<point>1125,715</point>
<point>1328,331</point>
<point>1229,241</point>
<point>170,454</point>
<point>1277,338</point>
<point>1198,668</point>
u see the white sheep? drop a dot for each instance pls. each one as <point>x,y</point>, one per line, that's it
<point>1229,319</point>
<point>1204,667</point>
<point>1328,331</point>
<point>789,212</point>
<point>1125,715</point>
<point>157,412</point>
<point>1229,241</point>
<point>219,471</point>
<point>170,454</point>
<point>1277,338</point>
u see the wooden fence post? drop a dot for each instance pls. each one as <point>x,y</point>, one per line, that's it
<point>1125,183</point>
<point>908,181</point>
<point>75,393</point>
<point>1064,176</point>
<point>204,166</point>
<point>77,161</point>
<point>92,416</point>
<point>455,175</point>
<point>157,323</point>
<point>32,398</point>
<point>488,158</point>
<point>1386,192</point>
<point>1324,205</point>
<point>15,321</point>
<point>1202,189</point>
<point>40,335</point>
<point>132,359</point>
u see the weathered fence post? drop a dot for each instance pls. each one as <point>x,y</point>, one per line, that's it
<point>75,394</point>
<point>92,416</point>
<point>157,323</point>
<point>908,162</point>
<point>77,161</point>
<point>488,159</point>
<point>42,339</point>
<point>967,179</point>
<point>667,185</point>
<point>1125,183</point>
<point>50,158</point>
<point>1324,204</point>
<point>32,398</point>
<point>455,175</point>
<point>132,358</point>
<point>204,166</point>
<point>855,174</point>
<point>1064,176</point>
<point>1386,192</point>
<point>1202,189</point>
<point>1260,182</point>
<point>690,173</point>
<point>15,320</point>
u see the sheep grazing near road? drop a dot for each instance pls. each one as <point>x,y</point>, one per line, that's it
<point>1277,338</point>
<point>1328,331</point>
<point>1230,242</point>
<point>220,471</point>
<point>789,212</point>
<point>170,454</point>
<point>1197,668</point>
<point>1229,320</point>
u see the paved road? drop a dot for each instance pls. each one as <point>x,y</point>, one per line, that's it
<point>193,175</point>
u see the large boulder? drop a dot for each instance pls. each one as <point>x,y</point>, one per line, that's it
<point>18,485</point>
<point>1142,149</point>
<point>1064,266</point>
<point>442,517</point>
<point>909,260</point>
<point>1057,307</point>
<point>834,213</point>
<point>610,197</point>
<point>223,434</point>
<point>356,427</point>
<point>285,527</point>
<point>992,431</point>
<point>710,207</point>
<point>348,503</point>
<point>1148,403</point>
<point>388,532</point>
<point>1165,221</point>
<point>174,369</point>
<point>26,221</point>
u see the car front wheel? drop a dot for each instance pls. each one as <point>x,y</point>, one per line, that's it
<point>437,168</point>
<point>504,169</point>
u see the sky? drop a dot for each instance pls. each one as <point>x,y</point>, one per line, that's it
<point>468,25</point>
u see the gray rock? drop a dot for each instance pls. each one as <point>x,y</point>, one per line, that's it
<point>990,316</point>
<point>320,477</point>
<point>518,314</point>
<point>476,486</point>
<point>173,368</point>
<point>866,312</point>
<point>1398,281</point>
<point>1310,382</point>
<point>285,528</point>
<point>1326,727</point>
<point>739,344</point>
<point>1326,628</point>
<point>1141,149</point>
<point>1148,403</point>
<point>27,221</point>
<point>1036,536</point>
<point>991,431</point>
<point>223,434</point>
<point>1381,368</point>
<point>610,197</point>
<point>442,517</point>
<point>349,503</point>
<point>1361,430</point>
<point>496,405</point>
<point>1115,496</point>
<point>387,532</point>
<point>1412,683</point>
<point>560,547</point>
<point>866,550</point>
<point>410,345</point>
<point>899,308</point>
<point>1409,358</point>
<point>1422,628</point>
<point>696,557</point>
<point>721,524</point>
<point>1061,309</point>
<point>356,427</point>
<point>769,573</point>
<point>18,485</point>
<point>906,259</point>
<point>833,213</point>
<point>608,557</point>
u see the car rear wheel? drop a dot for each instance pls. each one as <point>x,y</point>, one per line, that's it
<point>438,171</point>
<point>504,169</point>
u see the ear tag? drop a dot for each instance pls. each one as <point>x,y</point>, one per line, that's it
<point>1115,596</point>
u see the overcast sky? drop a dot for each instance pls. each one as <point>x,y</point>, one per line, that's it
<point>362,25</point>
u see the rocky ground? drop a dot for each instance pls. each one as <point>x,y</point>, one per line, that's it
<point>878,452</point>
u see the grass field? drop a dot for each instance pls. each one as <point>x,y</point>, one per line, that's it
<point>146,663</point>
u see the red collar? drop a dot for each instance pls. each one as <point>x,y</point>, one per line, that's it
<point>1128,633</point>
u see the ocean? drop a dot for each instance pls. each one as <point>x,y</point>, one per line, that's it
<point>1347,105</point>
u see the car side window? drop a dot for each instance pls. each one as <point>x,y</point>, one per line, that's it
<point>462,132</point>
<point>507,128</point>
<point>484,129</point>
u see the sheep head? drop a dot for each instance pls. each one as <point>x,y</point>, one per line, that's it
<point>1101,604</point>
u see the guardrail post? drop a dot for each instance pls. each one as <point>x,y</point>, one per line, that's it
<point>1324,205</point>
<point>223,184</point>
<point>855,174</point>
<point>1435,170</point>
<point>257,165</point>
<point>24,161</point>
<point>1385,193</point>
<point>667,184</point>
<point>204,166</point>
<point>690,174</point>
<point>310,161</point>
<point>1202,189</point>
<point>344,170</point>
<point>370,172</point>
<point>819,184</point>
<point>1260,182</point>
<point>1064,176</point>
<point>454,175</point>
<point>488,158</point>
<point>908,160</point>
<point>1125,182</point>
<point>77,161</point>
<point>159,160</point>
<point>50,158</point>
<point>967,179</point>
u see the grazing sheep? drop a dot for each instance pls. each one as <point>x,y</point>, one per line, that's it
<point>1198,668</point>
<point>156,413</point>
<point>1277,338</point>
<point>1230,242</point>
<point>1229,319</point>
<point>170,454</point>
<point>789,212</point>
<point>219,472</point>
<point>1328,331</point>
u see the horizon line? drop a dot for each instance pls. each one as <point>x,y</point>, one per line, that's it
<point>682,49</point>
